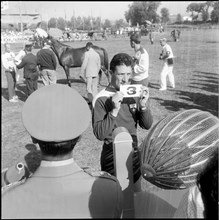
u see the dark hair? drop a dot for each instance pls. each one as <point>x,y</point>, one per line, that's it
<point>207,182</point>
<point>121,59</point>
<point>56,148</point>
<point>136,37</point>
<point>89,44</point>
<point>28,48</point>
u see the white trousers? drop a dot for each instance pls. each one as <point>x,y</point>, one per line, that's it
<point>167,71</point>
<point>92,85</point>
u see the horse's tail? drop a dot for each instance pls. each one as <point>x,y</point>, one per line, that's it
<point>106,64</point>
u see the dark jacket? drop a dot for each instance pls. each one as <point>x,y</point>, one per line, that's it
<point>29,63</point>
<point>46,59</point>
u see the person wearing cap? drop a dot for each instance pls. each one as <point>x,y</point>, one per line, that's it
<point>141,58</point>
<point>29,63</point>
<point>46,61</point>
<point>59,188</point>
<point>10,72</point>
<point>167,57</point>
<point>90,68</point>
<point>111,110</point>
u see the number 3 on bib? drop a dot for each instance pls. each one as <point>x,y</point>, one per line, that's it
<point>131,90</point>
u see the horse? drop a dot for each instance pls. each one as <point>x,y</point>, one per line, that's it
<point>69,57</point>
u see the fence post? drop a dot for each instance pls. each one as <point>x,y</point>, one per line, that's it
<point>122,151</point>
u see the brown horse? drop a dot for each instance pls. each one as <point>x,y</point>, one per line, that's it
<point>69,57</point>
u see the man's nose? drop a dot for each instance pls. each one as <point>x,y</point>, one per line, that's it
<point>125,78</point>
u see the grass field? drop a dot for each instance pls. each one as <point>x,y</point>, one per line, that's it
<point>196,70</point>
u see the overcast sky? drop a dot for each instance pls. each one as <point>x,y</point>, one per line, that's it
<point>111,10</point>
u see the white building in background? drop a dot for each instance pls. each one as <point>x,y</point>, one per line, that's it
<point>187,18</point>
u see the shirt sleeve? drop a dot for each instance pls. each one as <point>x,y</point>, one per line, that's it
<point>99,62</point>
<point>143,64</point>
<point>103,122</point>
<point>4,62</point>
<point>54,60</point>
<point>84,64</point>
<point>145,118</point>
<point>22,64</point>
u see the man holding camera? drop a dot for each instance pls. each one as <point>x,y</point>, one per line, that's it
<point>112,109</point>
<point>167,56</point>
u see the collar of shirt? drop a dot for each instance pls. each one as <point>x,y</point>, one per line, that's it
<point>56,163</point>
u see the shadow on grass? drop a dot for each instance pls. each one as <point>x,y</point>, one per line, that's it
<point>205,81</point>
<point>32,158</point>
<point>199,101</point>
<point>64,81</point>
<point>154,85</point>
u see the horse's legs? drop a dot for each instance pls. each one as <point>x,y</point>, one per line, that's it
<point>66,68</point>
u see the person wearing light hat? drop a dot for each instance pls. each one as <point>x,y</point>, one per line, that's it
<point>29,63</point>
<point>55,116</point>
<point>167,56</point>
<point>141,58</point>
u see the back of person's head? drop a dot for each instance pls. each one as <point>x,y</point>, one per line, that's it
<point>89,45</point>
<point>136,37</point>
<point>207,182</point>
<point>121,59</point>
<point>28,47</point>
<point>55,116</point>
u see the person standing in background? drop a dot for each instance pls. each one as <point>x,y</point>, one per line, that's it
<point>167,56</point>
<point>29,63</point>
<point>91,67</point>
<point>141,59</point>
<point>10,72</point>
<point>47,64</point>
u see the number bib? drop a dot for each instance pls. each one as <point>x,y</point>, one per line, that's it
<point>131,90</point>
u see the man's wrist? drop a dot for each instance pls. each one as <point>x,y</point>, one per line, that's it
<point>114,112</point>
<point>143,108</point>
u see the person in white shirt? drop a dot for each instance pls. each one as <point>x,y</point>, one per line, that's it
<point>167,56</point>
<point>141,58</point>
<point>91,67</point>
<point>10,72</point>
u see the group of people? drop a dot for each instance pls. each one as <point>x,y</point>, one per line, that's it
<point>56,116</point>
<point>43,65</point>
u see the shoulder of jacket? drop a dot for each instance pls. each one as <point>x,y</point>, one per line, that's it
<point>105,175</point>
<point>13,185</point>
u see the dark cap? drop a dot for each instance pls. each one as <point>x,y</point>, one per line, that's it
<point>136,37</point>
<point>89,44</point>
<point>55,113</point>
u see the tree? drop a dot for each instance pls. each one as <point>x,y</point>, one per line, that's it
<point>61,23</point>
<point>107,24</point>
<point>179,18</point>
<point>195,9</point>
<point>215,12</point>
<point>165,15</point>
<point>52,23</point>
<point>138,12</point>
<point>44,25</point>
<point>120,23</point>
<point>205,12</point>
